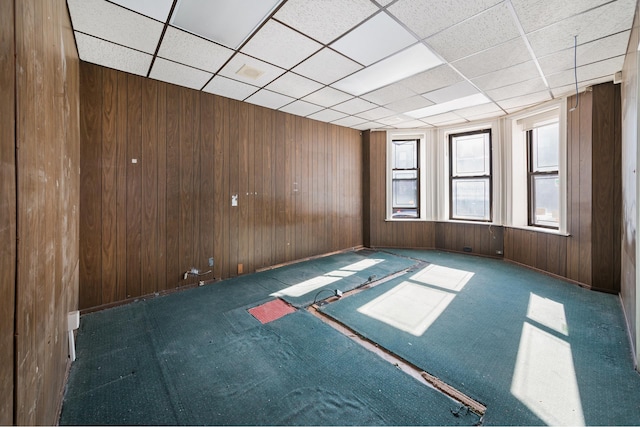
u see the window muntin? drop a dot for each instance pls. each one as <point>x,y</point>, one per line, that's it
<point>543,144</point>
<point>405,179</point>
<point>470,176</point>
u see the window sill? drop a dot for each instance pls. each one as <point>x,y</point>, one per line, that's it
<point>406,220</point>
<point>540,230</point>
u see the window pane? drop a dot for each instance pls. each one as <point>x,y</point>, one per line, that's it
<point>410,174</point>
<point>405,154</point>
<point>405,213</point>
<point>470,199</point>
<point>405,193</point>
<point>471,155</point>
<point>546,196</point>
<point>545,149</point>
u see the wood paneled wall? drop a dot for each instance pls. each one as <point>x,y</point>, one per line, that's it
<point>479,239</point>
<point>7,209</point>
<point>591,253</point>
<point>47,165</point>
<point>143,224</point>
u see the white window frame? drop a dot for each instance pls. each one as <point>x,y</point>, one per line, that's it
<point>426,166</point>
<point>516,170</point>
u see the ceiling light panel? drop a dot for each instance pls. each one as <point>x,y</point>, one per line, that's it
<point>327,97</point>
<point>355,106</point>
<point>97,51</point>
<point>327,66</point>
<point>444,107</point>
<point>183,47</point>
<point>325,20</point>
<point>156,9</point>
<point>427,17</point>
<point>269,99</point>
<point>445,119</point>
<point>433,79</point>
<point>449,93</point>
<point>507,76</point>
<point>179,74</point>
<point>409,104</point>
<point>294,85</point>
<point>490,28</point>
<point>228,22</point>
<point>502,56</point>
<point>479,110</point>
<point>241,62</point>
<point>601,22</point>
<point>115,24</point>
<point>229,88</point>
<point>588,53</point>
<point>375,39</point>
<point>536,14</point>
<point>301,108</point>
<point>280,45</point>
<point>327,115</point>
<point>397,67</point>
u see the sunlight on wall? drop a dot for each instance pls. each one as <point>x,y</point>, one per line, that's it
<point>318,282</point>
<point>413,305</point>
<point>544,377</point>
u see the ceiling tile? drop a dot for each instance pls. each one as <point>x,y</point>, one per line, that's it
<point>518,103</point>
<point>374,40</point>
<point>409,104</point>
<point>327,66</point>
<point>376,113</point>
<point>387,94</point>
<point>444,119</point>
<point>367,126</point>
<point>179,74</point>
<point>396,120</point>
<point>507,76</point>
<point>490,28</point>
<point>301,108</point>
<point>96,51</point>
<point>223,21</point>
<point>597,23</point>
<point>115,24</point>
<point>536,14</point>
<point>569,90</point>
<point>269,99</point>
<point>327,115</point>
<point>449,93</point>
<point>327,97</point>
<point>293,85</point>
<point>452,105</point>
<point>349,121</point>
<point>229,88</point>
<point>269,72</point>
<point>280,45</point>
<point>427,17</point>
<point>432,79</point>
<point>325,20</point>
<point>156,9</point>
<point>517,89</point>
<point>587,53</point>
<point>180,46</point>
<point>606,68</point>
<point>413,124</point>
<point>480,111</point>
<point>354,106</point>
<point>502,56</point>
<point>403,64</point>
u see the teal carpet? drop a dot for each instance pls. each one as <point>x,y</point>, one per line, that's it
<point>535,350</point>
<point>198,357</point>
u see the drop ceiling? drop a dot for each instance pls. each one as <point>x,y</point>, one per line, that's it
<point>364,64</point>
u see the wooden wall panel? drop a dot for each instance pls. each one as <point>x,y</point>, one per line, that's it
<point>48,189</point>
<point>7,209</point>
<point>298,184</point>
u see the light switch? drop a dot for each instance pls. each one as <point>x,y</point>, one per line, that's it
<point>234,200</point>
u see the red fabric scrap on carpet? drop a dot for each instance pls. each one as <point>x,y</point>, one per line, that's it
<point>272,310</point>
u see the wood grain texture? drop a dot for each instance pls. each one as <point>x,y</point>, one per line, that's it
<point>296,181</point>
<point>48,188</point>
<point>7,209</point>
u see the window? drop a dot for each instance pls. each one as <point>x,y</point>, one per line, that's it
<point>470,176</point>
<point>543,173</point>
<point>405,174</point>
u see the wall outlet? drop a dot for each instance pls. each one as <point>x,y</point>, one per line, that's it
<point>211,262</point>
<point>467,249</point>
<point>499,252</point>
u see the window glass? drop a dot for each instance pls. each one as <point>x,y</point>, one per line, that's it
<point>470,176</point>
<point>544,182</point>
<point>405,187</point>
<point>545,150</point>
